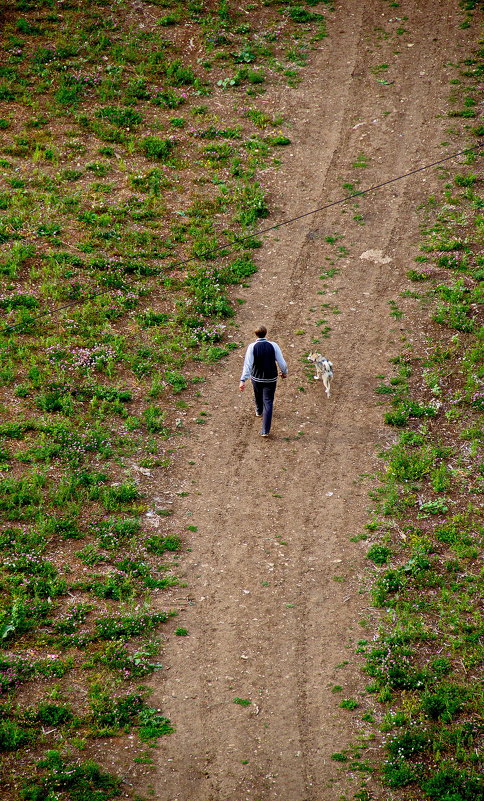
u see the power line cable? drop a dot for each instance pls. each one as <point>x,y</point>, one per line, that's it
<point>232,246</point>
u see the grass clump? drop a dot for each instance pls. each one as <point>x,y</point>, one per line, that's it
<point>155,147</point>
<point>84,781</point>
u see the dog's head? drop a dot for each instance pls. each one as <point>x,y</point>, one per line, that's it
<point>313,356</point>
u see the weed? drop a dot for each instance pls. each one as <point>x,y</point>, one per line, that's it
<point>158,545</point>
<point>278,140</point>
<point>398,774</point>
<point>361,162</point>
<point>444,703</point>
<point>84,781</point>
<point>349,703</point>
<point>154,147</point>
<point>13,736</point>
<point>302,15</point>
<point>125,626</point>
<point>120,116</point>
<point>379,554</point>
<point>153,725</point>
<point>54,714</point>
<point>450,782</point>
<point>115,497</point>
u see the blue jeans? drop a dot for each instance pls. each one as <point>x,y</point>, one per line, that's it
<point>264,392</point>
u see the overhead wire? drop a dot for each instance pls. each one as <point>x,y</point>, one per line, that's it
<point>231,246</point>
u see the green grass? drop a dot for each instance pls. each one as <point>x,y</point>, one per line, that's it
<point>242,701</point>
<point>428,541</point>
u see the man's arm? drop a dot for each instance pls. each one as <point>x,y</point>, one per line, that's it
<point>248,364</point>
<point>281,362</point>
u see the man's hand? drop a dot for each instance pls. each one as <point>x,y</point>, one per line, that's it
<point>242,386</point>
<point>283,375</point>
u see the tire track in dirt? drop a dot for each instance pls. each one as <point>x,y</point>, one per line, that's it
<point>273,575</point>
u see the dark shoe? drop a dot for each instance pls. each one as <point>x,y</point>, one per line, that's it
<point>258,414</point>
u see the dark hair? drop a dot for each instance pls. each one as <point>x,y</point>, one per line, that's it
<point>261,331</point>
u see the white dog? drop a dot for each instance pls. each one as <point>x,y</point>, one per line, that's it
<point>324,370</point>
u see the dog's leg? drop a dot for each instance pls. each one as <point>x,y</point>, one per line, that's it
<point>326,382</point>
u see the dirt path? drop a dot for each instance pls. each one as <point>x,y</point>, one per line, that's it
<point>273,575</point>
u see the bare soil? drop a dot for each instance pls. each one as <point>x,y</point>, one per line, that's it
<point>274,600</point>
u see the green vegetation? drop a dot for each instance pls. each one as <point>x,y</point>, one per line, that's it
<point>242,701</point>
<point>427,537</point>
<point>81,782</point>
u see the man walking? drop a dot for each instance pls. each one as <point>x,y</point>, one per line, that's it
<point>262,359</point>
